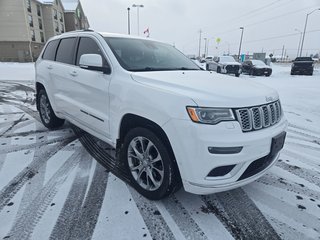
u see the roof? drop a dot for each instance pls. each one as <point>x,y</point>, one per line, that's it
<point>46,1</point>
<point>70,5</point>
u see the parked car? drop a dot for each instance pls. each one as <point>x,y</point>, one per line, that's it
<point>169,121</point>
<point>202,63</point>
<point>302,65</point>
<point>225,64</point>
<point>209,59</point>
<point>256,68</point>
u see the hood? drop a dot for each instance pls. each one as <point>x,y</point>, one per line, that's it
<point>230,63</point>
<point>208,89</point>
<point>261,67</point>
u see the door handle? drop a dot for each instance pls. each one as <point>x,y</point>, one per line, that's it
<point>73,73</point>
<point>49,67</point>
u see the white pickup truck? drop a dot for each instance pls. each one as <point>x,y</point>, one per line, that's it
<point>225,64</point>
<point>171,121</point>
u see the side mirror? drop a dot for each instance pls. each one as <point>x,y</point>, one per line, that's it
<point>93,62</point>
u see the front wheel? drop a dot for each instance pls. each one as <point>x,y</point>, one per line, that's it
<point>218,70</point>
<point>237,74</point>
<point>48,118</point>
<point>151,167</point>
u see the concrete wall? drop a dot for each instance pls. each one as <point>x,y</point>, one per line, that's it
<point>13,21</point>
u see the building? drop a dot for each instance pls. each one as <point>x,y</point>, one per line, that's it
<point>74,15</point>
<point>26,25</point>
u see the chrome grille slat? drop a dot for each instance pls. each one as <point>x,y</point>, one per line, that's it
<point>259,117</point>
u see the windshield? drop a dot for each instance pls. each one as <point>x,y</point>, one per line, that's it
<point>303,59</point>
<point>258,63</point>
<point>227,59</point>
<point>145,55</point>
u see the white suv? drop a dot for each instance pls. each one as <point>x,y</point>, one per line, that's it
<point>171,121</point>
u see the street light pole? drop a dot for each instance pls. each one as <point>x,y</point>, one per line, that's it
<point>200,32</point>
<point>138,6</point>
<point>242,28</point>
<point>299,40</point>
<point>305,28</point>
<point>205,47</point>
<point>128,20</point>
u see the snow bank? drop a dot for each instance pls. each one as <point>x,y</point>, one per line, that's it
<point>17,71</point>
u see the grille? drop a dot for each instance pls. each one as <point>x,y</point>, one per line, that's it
<point>259,117</point>
<point>232,67</point>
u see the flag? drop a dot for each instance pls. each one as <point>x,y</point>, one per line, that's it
<point>147,32</point>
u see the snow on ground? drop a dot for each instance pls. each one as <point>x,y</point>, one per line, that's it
<point>51,187</point>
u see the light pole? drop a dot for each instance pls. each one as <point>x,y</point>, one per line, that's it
<point>128,20</point>
<point>299,40</point>
<point>138,6</point>
<point>242,28</point>
<point>305,27</point>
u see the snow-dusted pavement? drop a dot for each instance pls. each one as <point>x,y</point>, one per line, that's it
<point>51,187</point>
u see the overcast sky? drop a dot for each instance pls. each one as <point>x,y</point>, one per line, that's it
<point>179,21</point>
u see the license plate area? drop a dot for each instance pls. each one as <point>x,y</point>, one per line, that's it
<point>277,143</point>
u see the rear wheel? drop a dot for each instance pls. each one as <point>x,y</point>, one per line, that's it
<point>218,70</point>
<point>251,72</point>
<point>48,118</point>
<point>151,169</point>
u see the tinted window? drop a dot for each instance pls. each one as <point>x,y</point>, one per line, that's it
<point>88,46</point>
<point>50,51</point>
<point>65,50</point>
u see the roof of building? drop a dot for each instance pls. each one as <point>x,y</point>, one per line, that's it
<point>70,5</point>
<point>46,1</point>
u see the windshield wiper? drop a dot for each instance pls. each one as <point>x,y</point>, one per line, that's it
<point>147,69</point>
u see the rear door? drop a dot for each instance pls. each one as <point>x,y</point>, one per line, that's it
<point>89,89</point>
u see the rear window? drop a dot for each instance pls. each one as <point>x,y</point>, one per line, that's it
<point>50,51</point>
<point>303,59</point>
<point>66,50</point>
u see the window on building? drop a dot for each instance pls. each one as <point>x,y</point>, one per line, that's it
<point>60,16</point>
<point>30,20</point>
<point>42,36</point>
<point>40,24</point>
<point>39,10</point>
<point>62,28</point>
<point>56,27</point>
<point>33,35</point>
<point>89,46</point>
<point>66,50</point>
<point>50,51</point>
<point>29,5</point>
<point>55,14</point>
<point>57,2</point>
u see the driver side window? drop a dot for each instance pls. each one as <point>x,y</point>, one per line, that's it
<point>89,46</point>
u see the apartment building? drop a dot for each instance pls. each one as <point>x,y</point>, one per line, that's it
<point>74,15</point>
<point>26,25</point>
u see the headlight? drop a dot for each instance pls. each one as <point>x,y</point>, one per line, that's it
<point>210,115</point>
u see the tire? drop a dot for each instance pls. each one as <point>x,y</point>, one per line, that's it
<point>268,75</point>
<point>138,163</point>
<point>292,73</point>
<point>251,73</point>
<point>218,70</point>
<point>237,74</point>
<point>47,115</point>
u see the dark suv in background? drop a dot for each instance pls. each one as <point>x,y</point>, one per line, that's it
<point>302,65</point>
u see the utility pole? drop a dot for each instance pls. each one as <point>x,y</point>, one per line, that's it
<point>138,6</point>
<point>205,47</point>
<point>299,40</point>
<point>242,28</point>
<point>305,28</point>
<point>200,32</point>
<point>128,20</point>
<point>282,53</point>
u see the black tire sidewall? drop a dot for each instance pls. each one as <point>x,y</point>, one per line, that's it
<point>167,183</point>
<point>54,120</point>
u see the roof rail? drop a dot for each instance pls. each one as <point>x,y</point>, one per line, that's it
<point>83,30</point>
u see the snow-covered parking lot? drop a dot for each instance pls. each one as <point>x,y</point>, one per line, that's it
<point>51,186</point>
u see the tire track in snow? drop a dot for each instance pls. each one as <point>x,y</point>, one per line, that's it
<point>182,218</point>
<point>239,214</point>
<point>26,223</point>
<point>156,224</point>
<point>27,173</point>
<point>293,126</point>
<point>287,185</point>
<point>309,175</point>
<point>91,207</point>
<point>304,146</point>
<point>69,214</point>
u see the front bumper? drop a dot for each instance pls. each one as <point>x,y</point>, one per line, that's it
<point>190,143</point>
